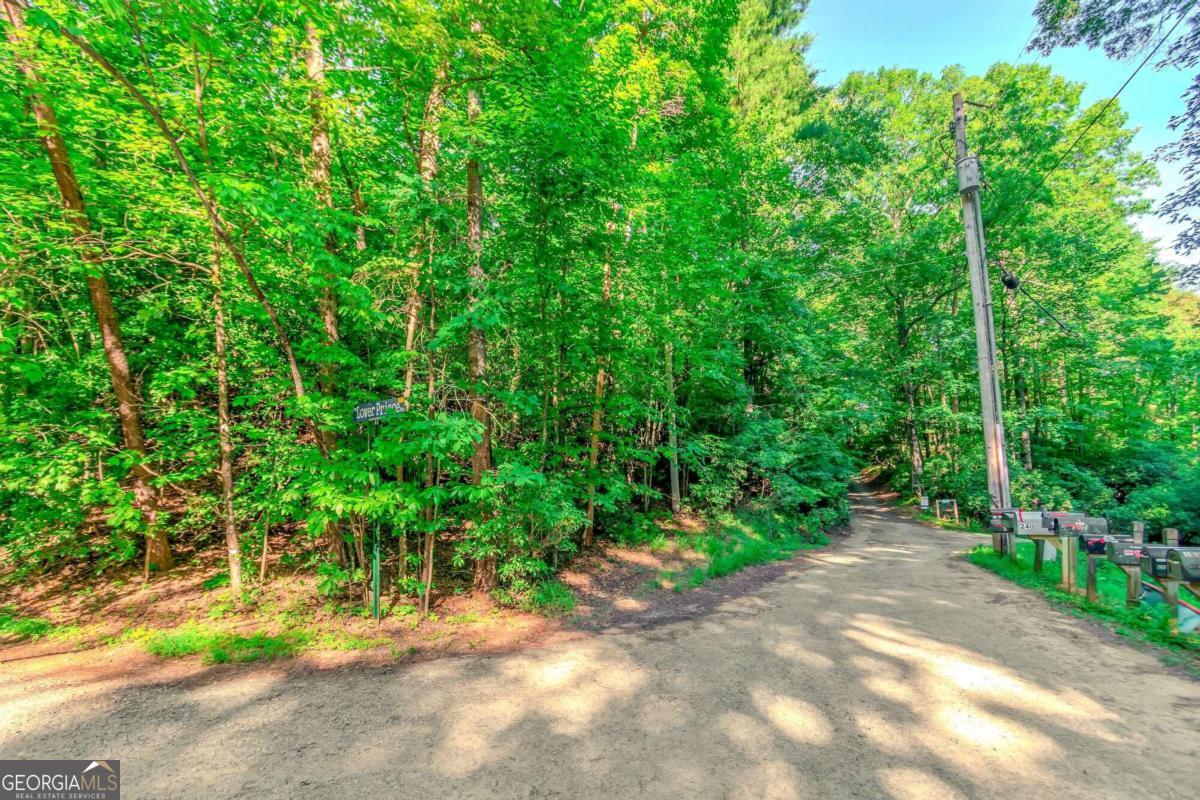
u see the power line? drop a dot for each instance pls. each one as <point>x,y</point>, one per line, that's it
<point>1021,288</point>
<point>929,260</point>
<point>891,266</point>
<point>1046,175</point>
<point>1025,47</point>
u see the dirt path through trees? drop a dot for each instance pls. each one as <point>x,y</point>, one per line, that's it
<point>888,668</point>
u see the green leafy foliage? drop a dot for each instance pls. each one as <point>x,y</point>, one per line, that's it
<point>598,250</point>
<point>551,599</point>
<point>755,535</point>
<point>1095,411</point>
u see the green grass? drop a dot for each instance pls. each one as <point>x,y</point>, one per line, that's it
<point>550,599</point>
<point>218,646</point>
<point>21,628</point>
<point>1146,622</point>
<point>216,581</point>
<point>749,537</point>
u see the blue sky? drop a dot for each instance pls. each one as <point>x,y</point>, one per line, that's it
<point>931,34</point>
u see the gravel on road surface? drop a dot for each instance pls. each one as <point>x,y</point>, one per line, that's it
<point>885,668</point>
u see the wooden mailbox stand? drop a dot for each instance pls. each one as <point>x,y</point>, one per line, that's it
<point>1068,552</point>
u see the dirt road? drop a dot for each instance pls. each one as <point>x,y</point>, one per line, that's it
<point>887,668</point>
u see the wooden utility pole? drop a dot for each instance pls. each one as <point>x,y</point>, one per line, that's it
<point>995,448</point>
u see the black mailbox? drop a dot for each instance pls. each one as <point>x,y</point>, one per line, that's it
<point>1183,564</point>
<point>1124,554</point>
<point>1095,545</point>
<point>1154,560</point>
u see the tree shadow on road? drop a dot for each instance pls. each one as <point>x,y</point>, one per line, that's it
<point>869,674</point>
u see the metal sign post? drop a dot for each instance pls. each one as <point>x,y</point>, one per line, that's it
<point>373,413</point>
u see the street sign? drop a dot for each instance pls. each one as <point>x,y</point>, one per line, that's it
<point>376,411</point>
<point>379,409</point>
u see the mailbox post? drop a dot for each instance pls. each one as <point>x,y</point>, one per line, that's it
<point>1006,525</point>
<point>1063,531</point>
<point>1094,539</point>
<point>1037,526</point>
<point>1162,569</point>
<point>1093,593</point>
<point>1128,556</point>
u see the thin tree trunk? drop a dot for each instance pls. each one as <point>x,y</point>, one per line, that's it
<point>210,210</point>
<point>432,478</point>
<point>262,566</point>
<point>672,430</point>
<point>224,433</point>
<point>321,171</point>
<point>481,458</point>
<point>598,403</point>
<point>427,167</point>
<point>427,557</point>
<point>914,440</point>
<point>1023,406</point>
<point>158,551</point>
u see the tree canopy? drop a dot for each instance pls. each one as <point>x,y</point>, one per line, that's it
<point>616,259</point>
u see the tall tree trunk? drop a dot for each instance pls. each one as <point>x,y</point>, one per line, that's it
<point>158,551</point>
<point>427,166</point>
<point>321,157</point>
<point>432,475</point>
<point>224,432</point>
<point>598,401</point>
<point>320,171</point>
<point>672,429</point>
<point>916,463</point>
<point>1023,406</point>
<point>481,458</point>
<point>914,440</point>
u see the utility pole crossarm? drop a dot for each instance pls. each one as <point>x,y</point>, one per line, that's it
<point>996,451</point>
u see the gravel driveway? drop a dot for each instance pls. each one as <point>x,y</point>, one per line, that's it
<point>887,668</point>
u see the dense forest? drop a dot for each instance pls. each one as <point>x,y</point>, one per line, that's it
<point>618,259</point>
